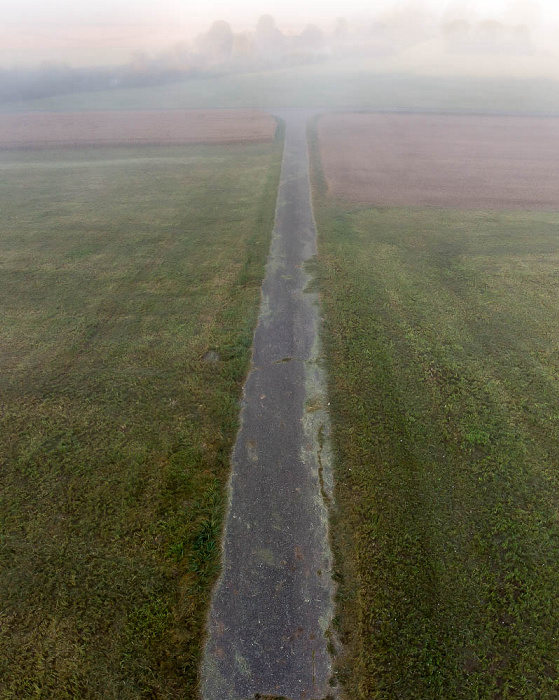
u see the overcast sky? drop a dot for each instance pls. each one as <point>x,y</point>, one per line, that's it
<point>107,30</point>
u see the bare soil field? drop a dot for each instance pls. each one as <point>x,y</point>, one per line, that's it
<point>464,162</point>
<point>37,130</point>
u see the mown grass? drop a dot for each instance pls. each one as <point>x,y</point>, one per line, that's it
<point>443,354</point>
<point>129,286</point>
<point>338,84</point>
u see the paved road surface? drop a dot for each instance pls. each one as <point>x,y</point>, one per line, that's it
<point>272,607</point>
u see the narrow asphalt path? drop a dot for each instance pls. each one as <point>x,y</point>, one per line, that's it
<point>273,605</point>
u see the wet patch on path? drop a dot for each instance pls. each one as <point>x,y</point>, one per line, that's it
<point>270,624</point>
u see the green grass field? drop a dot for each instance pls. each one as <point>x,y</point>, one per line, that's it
<point>443,356</point>
<point>349,84</point>
<point>129,286</point>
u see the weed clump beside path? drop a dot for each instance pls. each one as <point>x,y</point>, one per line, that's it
<point>441,335</point>
<point>123,271</point>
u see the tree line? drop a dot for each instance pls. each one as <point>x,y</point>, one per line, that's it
<point>220,50</point>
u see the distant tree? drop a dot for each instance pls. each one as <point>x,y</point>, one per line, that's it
<point>405,25</point>
<point>458,36</point>
<point>521,34</point>
<point>242,47</point>
<point>269,42</point>
<point>341,29</point>
<point>312,38</point>
<point>490,29</point>
<point>178,57</point>
<point>456,28</point>
<point>266,26</point>
<point>217,44</point>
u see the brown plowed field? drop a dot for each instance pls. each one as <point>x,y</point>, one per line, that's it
<point>465,162</point>
<point>39,130</point>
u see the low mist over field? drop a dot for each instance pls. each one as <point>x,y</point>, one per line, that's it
<point>63,48</point>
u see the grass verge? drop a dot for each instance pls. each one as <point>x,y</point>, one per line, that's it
<point>441,337</point>
<point>129,287</point>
